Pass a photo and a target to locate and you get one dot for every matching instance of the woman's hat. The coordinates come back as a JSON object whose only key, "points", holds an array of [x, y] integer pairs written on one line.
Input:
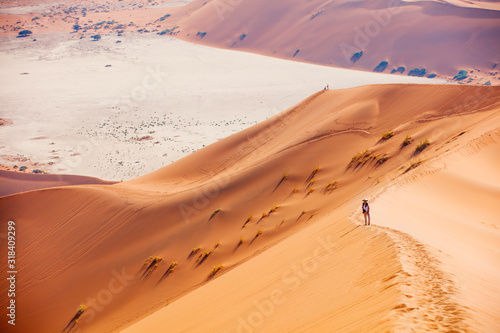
{"points": [[365, 199]]}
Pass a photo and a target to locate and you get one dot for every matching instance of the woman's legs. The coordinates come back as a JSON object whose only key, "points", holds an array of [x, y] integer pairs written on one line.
{"points": [[367, 218]]}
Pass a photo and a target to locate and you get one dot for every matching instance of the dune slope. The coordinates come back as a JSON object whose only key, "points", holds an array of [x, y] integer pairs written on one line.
{"points": [[15, 182], [299, 177]]}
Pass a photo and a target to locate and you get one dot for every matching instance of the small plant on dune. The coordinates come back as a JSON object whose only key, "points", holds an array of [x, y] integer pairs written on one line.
{"points": [[285, 177], [215, 269], [301, 214], [273, 209], [75, 318], [330, 187], [248, 220], [313, 214], [413, 165], [360, 158], [150, 265], [195, 250], [264, 215], [311, 190], [282, 222], [242, 240], [408, 140], [311, 182], [216, 245], [295, 189], [217, 211], [202, 257], [259, 232], [313, 174], [422, 145], [381, 159], [387, 135], [172, 266]]}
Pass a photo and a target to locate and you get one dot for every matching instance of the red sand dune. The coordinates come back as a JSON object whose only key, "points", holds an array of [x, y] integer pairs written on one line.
{"points": [[439, 36], [15, 182], [320, 271]]}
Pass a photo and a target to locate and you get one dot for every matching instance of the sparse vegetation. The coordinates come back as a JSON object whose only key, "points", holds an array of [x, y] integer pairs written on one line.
{"points": [[365, 156], [283, 178], [164, 17], [488, 83], [462, 75], [195, 250], [356, 56], [242, 240], [408, 140], [23, 167], [381, 67], [400, 69], [259, 232], [24, 33], [360, 158], [296, 52], [273, 209], [417, 72], [413, 165], [387, 135], [381, 159], [75, 318], [215, 269], [432, 75], [422, 145], [311, 190], [330, 187], [217, 211], [95, 38], [150, 265], [248, 220], [201, 34]]}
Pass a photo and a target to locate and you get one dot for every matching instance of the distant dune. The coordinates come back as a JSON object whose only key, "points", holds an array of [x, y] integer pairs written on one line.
{"points": [[440, 37], [15, 182], [261, 230]]}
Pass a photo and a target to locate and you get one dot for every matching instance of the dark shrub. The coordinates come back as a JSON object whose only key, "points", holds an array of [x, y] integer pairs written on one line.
{"points": [[356, 56], [417, 72], [381, 67]]}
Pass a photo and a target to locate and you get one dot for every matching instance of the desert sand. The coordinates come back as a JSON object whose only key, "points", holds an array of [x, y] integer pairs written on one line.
{"points": [[158, 100], [303, 261], [234, 179]]}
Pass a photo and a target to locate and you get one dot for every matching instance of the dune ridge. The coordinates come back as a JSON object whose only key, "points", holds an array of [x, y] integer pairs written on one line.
{"points": [[300, 175]]}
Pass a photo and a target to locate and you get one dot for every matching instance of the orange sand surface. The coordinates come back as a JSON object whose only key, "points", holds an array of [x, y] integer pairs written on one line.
{"points": [[262, 231]]}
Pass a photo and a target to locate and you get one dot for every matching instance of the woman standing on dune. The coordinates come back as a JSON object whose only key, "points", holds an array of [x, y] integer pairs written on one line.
{"points": [[366, 211]]}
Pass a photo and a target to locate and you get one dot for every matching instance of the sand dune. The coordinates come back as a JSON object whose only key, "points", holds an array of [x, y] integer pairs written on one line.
{"points": [[15, 182], [441, 37], [305, 263]]}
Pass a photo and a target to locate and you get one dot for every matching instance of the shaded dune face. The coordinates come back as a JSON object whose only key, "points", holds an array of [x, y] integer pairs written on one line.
{"points": [[244, 217], [440, 37]]}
